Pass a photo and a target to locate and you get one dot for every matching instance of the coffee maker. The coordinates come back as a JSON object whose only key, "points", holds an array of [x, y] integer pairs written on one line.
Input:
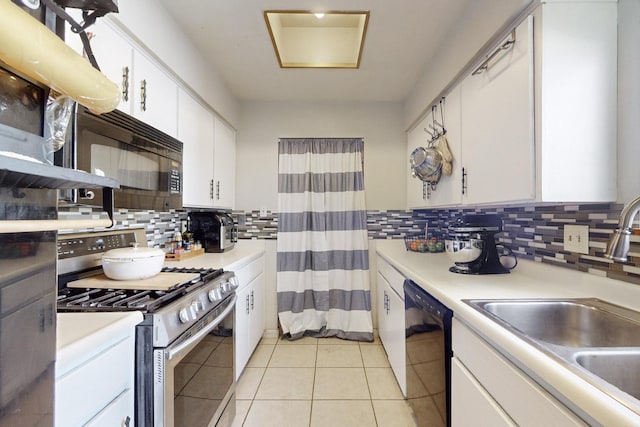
{"points": [[471, 244]]}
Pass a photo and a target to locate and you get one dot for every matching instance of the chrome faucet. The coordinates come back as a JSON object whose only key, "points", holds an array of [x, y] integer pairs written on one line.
{"points": [[618, 246]]}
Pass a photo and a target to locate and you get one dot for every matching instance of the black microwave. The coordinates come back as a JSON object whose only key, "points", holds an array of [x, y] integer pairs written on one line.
{"points": [[146, 162]]}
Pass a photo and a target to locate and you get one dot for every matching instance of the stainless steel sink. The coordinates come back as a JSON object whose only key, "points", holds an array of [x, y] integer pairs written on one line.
{"points": [[620, 368], [597, 340], [571, 323]]}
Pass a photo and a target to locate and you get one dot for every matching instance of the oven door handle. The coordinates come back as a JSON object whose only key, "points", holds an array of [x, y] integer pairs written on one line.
{"points": [[172, 352]]}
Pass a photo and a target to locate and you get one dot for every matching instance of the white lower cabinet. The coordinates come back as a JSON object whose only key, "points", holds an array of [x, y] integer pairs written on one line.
{"points": [[391, 324], [95, 369], [471, 405], [487, 386], [249, 315]]}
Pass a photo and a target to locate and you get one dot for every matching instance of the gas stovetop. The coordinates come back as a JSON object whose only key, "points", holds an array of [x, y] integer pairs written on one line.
{"points": [[148, 301], [172, 312]]}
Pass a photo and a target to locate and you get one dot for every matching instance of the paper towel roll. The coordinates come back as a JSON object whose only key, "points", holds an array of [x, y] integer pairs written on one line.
{"points": [[32, 49]]}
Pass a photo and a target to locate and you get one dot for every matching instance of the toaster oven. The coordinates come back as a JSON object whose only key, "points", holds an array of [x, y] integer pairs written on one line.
{"points": [[215, 230]]}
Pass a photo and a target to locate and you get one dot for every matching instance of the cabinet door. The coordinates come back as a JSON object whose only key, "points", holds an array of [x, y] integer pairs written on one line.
{"points": [[497, 126], [256, 304], [449, 190], [113, 54], [224, 165], [155, 96], [242, 325], [119, 413], [195, 130], [471, 405], [416, 188], [391, 330], [396, 339]]}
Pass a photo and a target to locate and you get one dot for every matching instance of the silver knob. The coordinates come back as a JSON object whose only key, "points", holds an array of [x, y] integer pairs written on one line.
{"points": [[226, 287], [183, 315], [196, 306], [215, 295]]}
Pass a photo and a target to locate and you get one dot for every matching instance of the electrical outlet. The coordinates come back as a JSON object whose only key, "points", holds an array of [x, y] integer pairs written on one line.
{"points": [[576, 238], [263, 212]]}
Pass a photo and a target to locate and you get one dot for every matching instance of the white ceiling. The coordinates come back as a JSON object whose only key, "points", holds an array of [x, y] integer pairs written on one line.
{"points": [[402, 37]]}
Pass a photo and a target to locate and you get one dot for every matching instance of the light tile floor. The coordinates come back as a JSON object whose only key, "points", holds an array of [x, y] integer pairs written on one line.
{"points": [[319, 382]]}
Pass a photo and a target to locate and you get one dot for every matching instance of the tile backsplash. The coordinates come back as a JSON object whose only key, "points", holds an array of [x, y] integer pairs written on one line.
{"points": [[533, 232], [160, 227]]}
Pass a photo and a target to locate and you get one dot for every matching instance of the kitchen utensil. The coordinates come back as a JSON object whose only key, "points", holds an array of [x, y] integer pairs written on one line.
{"points": [[462, 251], [133, 263], [426, 164], [442, 145], [472, 244]]}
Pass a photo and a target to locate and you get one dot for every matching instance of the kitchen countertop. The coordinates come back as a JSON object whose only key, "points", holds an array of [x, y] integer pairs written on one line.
{"points": [[82, 335], [243, 252], [528, 280]]}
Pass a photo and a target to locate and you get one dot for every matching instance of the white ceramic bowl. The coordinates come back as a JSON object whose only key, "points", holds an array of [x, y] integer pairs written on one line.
{"points": [[132, 263]]}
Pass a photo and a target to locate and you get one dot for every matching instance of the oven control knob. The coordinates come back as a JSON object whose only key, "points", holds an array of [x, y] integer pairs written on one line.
{"points": [[226, 287], [196, 307], [233, 282], [215, 295], [184, 315]]}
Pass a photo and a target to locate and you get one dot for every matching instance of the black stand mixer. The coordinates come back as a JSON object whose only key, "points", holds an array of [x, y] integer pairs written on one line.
{"points": [[472, 244]]}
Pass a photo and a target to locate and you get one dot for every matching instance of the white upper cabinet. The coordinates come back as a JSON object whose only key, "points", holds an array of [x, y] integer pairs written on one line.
{"points": [[195, 130], [224, 165], [147, 91], [497, 124], [113, 54], [576, 101], [209, 156], [448, 190], [155, 95], [538, 121]]}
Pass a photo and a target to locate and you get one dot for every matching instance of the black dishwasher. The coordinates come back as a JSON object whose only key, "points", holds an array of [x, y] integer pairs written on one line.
{"points": [[428, 350]]}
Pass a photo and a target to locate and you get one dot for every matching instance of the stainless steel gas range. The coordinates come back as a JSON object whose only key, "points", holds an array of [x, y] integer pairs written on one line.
{"points": [[184, 346]]}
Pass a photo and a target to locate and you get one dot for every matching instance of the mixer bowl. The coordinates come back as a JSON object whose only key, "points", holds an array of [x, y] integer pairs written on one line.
{"points": [[463, 251]]}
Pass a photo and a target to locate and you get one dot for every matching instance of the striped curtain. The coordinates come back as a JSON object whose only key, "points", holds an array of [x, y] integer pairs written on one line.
{"points": [[323, 262]]}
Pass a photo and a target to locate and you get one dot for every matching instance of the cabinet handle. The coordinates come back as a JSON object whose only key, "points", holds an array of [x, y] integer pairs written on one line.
{"points": [[464, 181], [125, 84], [504, 46], [218, 190], [211, 189], [424, 190], [143, 95], [247, 301], [251, 300], [126, 422]]}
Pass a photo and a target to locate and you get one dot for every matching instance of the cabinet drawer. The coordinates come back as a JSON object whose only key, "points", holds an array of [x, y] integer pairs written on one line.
{"points": [[525, 401], [470, 402], [86, 390], [249, 272], [393, 276], [119, 413]]}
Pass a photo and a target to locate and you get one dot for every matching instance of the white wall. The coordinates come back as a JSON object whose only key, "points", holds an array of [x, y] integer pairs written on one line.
{"points": [[263, 123], [151, 25]]}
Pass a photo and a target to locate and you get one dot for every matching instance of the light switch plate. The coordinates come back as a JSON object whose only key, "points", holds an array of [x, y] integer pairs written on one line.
{"points": [[576, 238]]}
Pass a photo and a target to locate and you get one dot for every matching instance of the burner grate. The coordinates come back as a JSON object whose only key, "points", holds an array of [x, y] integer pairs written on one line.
{"points": [[71, 299]]}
